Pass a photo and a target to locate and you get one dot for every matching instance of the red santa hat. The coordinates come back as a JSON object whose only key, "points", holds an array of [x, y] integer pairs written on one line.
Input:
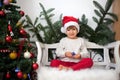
{"points": [[69, 21]]}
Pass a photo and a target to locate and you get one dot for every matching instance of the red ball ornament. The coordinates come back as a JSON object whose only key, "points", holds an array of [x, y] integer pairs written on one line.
{"points": [[22, 31], [8, 75], [6, 2], [20, 74], [35, 66], [2, 13], [8, 39], [32, 55], [21, 13], [9, 27]]}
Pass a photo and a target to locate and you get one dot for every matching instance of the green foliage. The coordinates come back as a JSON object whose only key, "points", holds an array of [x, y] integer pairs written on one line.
{"points": [[51, 31], [85, 30], [104, 19]]}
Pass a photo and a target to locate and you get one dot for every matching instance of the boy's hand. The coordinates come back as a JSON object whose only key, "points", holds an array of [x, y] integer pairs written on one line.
{"points": [[68, 54], [77, 56]]}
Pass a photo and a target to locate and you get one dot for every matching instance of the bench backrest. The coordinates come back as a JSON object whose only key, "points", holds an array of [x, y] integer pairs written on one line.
{"points": [[98, 53]]}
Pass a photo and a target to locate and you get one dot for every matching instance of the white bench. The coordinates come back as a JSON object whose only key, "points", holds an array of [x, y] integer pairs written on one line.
{"points": [[115, 49], [101, 64]]}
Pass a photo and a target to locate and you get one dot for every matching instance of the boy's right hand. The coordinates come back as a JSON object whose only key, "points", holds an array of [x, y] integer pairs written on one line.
{"points": [[68, 54]]}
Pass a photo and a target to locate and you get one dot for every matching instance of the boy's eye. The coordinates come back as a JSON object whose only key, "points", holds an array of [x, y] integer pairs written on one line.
{"points": [[71, 29], [68, 29]]}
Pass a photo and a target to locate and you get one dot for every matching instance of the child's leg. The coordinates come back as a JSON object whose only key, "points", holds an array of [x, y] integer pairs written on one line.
{"points": [[55, 63], [61, 64], [84, 63]]}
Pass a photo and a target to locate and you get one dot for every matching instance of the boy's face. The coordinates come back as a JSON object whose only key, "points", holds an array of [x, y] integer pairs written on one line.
{"points": [[71, 32]]}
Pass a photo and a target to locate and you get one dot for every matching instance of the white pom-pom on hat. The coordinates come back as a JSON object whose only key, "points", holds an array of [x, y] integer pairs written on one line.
{"points": [[69, 21], [62, 29]]}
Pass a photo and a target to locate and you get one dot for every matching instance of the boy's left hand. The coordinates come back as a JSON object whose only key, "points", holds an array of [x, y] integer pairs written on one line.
{"points": [[77, 56]]}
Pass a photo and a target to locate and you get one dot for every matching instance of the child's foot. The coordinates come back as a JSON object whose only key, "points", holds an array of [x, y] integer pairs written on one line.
{"points": [[67, 68], [70, 68], [60, 67]]}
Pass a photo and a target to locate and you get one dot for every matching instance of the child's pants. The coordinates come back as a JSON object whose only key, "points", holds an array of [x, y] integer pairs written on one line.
{"points": [[82, 64]]}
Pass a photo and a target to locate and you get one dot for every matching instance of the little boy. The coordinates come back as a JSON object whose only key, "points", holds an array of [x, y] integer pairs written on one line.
{"points": [[71, 50]]}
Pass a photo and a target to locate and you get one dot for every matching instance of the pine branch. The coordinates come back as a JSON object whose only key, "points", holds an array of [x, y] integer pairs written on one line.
{"points": [[48, 20]]}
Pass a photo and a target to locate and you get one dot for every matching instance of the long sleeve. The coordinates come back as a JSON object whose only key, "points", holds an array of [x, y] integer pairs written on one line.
{"points": [[61, 49], [71, 45], [83, 50]]}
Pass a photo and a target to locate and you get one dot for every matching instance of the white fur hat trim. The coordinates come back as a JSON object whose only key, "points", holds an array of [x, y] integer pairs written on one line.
{"points": [[71, 23]]}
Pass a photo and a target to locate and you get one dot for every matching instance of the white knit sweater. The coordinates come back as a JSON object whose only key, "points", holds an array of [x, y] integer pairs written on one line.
{"points": [[73, 45]]}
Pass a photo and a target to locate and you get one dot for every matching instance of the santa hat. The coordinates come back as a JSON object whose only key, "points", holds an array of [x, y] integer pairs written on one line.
{"points": [[69, 21]]}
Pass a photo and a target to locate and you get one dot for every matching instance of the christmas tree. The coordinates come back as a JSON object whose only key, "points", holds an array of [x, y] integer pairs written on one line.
{"points": [[17, 59]]}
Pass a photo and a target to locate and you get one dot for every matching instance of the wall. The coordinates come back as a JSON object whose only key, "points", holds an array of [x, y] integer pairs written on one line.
{"points": [[116, 10], [66, 7]]}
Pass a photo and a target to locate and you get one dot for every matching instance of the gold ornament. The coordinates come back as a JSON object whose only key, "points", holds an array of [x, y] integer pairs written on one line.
{"points": [[15, 40], [24, 76], [13, 55], [18, 24], [10, 1]]}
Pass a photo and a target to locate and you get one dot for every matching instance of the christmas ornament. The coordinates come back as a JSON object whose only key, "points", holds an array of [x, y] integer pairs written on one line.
{"points": [[21, 13], [29, 45], [8, 75], [0, 4], [18, 24], [10, 1], [22, 31], [6, 2], [17, 70], [15, 40], [10, 29], [4, 50], [8, 39], [20, 74], [13, 55], [27, 54], [34, 75], [2, 13], [21, 47], [31, 55], [29, 76], [24, 76], [35, 66], [73, 53]]}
